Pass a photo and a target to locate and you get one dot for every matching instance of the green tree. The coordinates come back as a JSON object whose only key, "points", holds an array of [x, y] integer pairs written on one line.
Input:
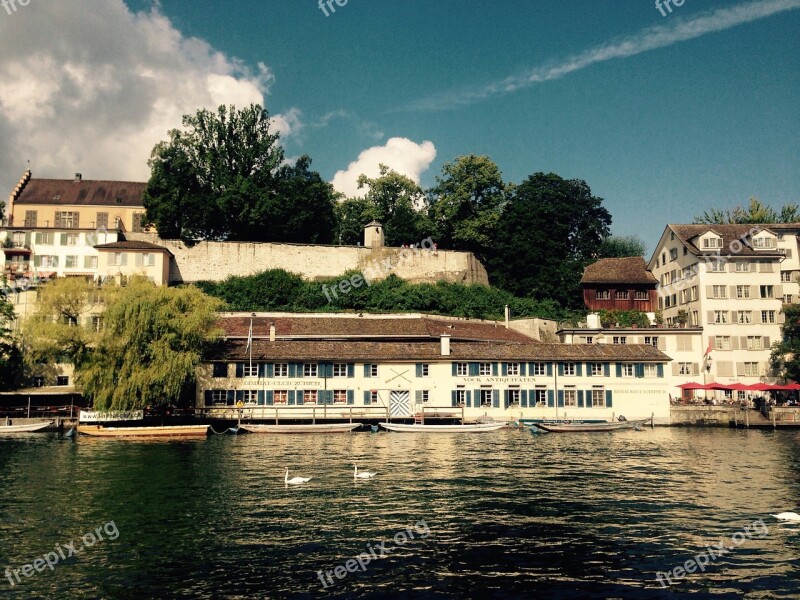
{"points": [[221, 178], [397, 202], [785, 357], [301, 210], [352, 215], [550, 230], [621, 246], [756, 212], [152, 340], [59, 329], [466, 204], [10, 354]]}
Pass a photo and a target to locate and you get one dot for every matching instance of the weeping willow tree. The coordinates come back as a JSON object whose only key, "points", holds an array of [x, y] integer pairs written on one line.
{"points": [[152, 340]]}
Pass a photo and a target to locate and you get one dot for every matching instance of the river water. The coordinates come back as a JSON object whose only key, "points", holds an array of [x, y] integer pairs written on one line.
{"points": [[494, 515]]}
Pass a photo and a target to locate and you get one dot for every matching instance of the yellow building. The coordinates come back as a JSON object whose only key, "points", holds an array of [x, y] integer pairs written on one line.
{"points": [[76, 204]]}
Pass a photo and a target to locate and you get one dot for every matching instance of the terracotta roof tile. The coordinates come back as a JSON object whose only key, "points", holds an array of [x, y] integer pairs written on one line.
{"points": [[132, 245], [369, 327], [731, 234], [631, 269], [84, 192], [327, 350]]}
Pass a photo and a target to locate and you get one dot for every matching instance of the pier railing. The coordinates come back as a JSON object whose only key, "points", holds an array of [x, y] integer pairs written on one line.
{"points": [[322, 412]]}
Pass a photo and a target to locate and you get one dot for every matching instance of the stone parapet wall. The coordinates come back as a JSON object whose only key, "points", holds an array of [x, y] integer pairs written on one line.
{"points": [[215, 261]]}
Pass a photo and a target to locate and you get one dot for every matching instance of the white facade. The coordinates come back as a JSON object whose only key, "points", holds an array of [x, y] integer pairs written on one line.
{"points": [[54, 252], [475, 369], [727, 280]]}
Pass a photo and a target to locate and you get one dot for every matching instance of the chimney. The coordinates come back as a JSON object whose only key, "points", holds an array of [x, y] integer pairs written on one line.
{"points": [[508, 315], [78, 177], [272, 331], [445, 344]]}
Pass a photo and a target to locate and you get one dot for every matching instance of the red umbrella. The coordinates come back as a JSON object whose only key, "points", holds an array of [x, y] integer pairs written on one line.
{"points": [[791, 386], [692, 386], [718, 386], [760, 387]]}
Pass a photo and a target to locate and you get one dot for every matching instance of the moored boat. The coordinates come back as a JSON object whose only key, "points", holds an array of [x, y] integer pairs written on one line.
{"points": [[589, 427], [418, 427], [300, 428], [531, 422], [26, 428], [144, 432]]}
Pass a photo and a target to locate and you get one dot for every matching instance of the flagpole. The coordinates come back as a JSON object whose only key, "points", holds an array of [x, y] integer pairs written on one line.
{"points": [[250, 341]]}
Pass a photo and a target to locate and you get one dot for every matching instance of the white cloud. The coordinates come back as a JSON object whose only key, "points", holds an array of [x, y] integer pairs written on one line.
{"points": [[401, 154], [90, 86], [288, 123], [676, 31]]}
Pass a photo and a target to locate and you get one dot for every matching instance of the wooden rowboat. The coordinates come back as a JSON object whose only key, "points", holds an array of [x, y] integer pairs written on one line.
{"points": [[416, 428], [301, 428], [27, 428], [144, 432], [589, 427]]}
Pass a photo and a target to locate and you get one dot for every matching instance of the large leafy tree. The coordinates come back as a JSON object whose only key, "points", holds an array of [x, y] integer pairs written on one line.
{"points": [[60, 329], [302, 209], [785, 357], [222, 178], [352, 215], [466, 204], [152, 340], [756, 212], [550, 230], [397, 202], [622, 246], [10, 355]]}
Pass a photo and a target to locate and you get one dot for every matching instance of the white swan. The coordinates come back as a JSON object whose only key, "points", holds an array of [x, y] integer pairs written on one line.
{"points": [[363, 474], [295, 480], [787, 516]]}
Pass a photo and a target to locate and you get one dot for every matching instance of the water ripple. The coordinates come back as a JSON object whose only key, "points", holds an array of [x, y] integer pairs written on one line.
{"points": [[505, 515]]}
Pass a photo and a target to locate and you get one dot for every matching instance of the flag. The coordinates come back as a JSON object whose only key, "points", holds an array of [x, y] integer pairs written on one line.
{"points": [[708, 350]]}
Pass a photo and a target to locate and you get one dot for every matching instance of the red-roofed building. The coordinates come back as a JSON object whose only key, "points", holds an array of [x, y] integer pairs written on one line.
{"points": [[619, 284]]}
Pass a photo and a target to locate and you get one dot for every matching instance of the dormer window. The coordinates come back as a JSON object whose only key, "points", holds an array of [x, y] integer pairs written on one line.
{"points": [[712, 243], [763, 243]]}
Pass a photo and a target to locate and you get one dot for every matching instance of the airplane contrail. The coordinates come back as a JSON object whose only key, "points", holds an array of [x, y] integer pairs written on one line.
{"points": [[651, 38]]}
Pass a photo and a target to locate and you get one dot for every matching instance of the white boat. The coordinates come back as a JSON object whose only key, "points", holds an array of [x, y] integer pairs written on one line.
{"points": [[418, 427], [301, 428], [27, 428], [144, 432], [590, 427]]}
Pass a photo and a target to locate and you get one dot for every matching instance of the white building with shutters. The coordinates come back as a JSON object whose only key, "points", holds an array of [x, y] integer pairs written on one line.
{"points": [[343, 366], [731, 281], [684, 345]]}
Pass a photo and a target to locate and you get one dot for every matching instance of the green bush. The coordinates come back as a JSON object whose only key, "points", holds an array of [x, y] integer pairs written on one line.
{"points": [[279, 290]]}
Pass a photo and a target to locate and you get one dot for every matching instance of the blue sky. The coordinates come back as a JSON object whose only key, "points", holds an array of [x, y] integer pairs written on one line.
{"points": [[663, 116]]}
